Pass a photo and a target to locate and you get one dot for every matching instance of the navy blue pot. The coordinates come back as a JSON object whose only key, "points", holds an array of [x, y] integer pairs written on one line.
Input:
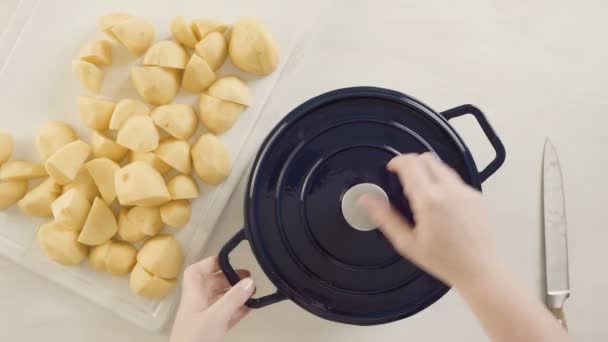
{"points": [[293, 219]]}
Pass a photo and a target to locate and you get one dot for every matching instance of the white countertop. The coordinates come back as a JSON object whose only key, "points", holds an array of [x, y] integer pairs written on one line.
{"points": [[537, 69]]}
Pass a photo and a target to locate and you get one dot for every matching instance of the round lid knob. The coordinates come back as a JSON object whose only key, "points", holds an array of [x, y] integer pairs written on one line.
{"points": [[353, 213]]}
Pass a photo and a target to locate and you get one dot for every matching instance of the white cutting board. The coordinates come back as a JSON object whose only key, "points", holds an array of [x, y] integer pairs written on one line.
{"points": [[36, 85]]}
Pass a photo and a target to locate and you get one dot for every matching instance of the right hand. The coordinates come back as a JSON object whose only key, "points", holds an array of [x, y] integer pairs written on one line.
{"points": [[452, 238]]}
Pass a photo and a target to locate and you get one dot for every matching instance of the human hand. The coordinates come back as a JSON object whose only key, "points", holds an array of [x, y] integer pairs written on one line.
{"points": [[452, 238], [209, 307]]}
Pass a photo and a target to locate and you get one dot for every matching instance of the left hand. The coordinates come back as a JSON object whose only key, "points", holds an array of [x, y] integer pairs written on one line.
{"points": [[209, 307]]}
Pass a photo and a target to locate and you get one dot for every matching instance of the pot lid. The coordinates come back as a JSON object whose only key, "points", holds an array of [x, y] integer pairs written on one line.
{"points": [[311, 242]]}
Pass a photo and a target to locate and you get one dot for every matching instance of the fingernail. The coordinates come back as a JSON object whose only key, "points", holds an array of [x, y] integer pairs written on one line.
{"points": [[247, 284]]}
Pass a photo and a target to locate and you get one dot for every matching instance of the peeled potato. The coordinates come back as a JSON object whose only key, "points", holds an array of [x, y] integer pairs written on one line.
{"points": [[127, 230], [202, 27], [99, 226], [213, 49], [231, 88], [139, 134], [97, 257], [95, 113], [120, 257], [61, 245], [66, 162], [140, 184], [176, 213], [182, 187], [147, 219], [182, 32], [102, 170], [71, 209], [14, 170], [89, 75], [53, 135], [198, 75], [218, 115], [84, 184], [177, 119], [11, 192], [6, 147], [252, 48], [97, 52], [125, 109], [162, 255], [104, 147], [166, 53], [148, 285], [155, 84], [151, 159], [38, 201], [137, 34], [175, 153], [106, 22], [211, 159]]}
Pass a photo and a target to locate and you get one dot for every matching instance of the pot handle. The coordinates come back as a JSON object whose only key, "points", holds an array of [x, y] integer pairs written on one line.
{"points": [[233, 278], [499, 148]]}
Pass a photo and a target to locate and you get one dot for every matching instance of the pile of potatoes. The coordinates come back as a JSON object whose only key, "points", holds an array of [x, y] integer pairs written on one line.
{"points": [[133, 177]]}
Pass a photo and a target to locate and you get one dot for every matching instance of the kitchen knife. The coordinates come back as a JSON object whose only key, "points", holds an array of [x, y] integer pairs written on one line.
{"points": [[556, 242]]}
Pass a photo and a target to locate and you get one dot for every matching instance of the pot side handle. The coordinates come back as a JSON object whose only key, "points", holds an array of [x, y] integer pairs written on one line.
{"points": [[499, 148], [233, 278]]}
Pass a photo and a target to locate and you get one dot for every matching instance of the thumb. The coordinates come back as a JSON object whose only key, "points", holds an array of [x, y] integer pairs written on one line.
{"points": [[394, 226], [233, 300]]}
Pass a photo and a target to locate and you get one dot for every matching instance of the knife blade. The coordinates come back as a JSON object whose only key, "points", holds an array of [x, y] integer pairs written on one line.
{"points": [[556, 240]]}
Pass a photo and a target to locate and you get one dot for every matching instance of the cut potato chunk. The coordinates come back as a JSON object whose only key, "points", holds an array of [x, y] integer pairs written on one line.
{"points": [[125, 109], [61, 245], [148, 285], [66, 162], [151, 159], [97, 257], [15, 170], [155, 84], [120, 257], [38, 201], [138, 134], [100, 225], [97, 52], [252, 48], [202, 27], [11, 192], [104, 147], [84, 184], [218, 115], [147, 219], [71, 209], [166, 53], [53, 135], [211, 159], [6, 147], [231, 88], [198, 75], [176, 213], [136, 34], [162, 255], [182, 32], [102, 170], [213, 49], [127, 230], [89, 75], [182, 187], [179, 120], [140, 184], [176, 153], [95, 113], [106, 22]]}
